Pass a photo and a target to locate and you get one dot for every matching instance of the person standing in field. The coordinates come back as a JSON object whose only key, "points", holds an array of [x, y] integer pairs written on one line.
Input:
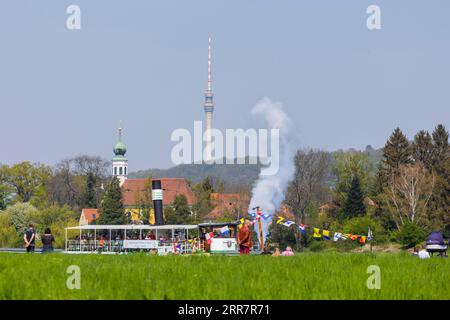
{"points": [[47, 241], [29, 237], [245, 238]]}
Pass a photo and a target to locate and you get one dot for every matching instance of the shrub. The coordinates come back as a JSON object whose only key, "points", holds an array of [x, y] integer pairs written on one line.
{"points": [[8, 235], [317, 246], [411, 234], [20, 216], [281, 236], [360, 226]]}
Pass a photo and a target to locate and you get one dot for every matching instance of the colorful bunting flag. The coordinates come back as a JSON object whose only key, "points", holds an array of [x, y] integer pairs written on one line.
{"points": [[369, 235], [316, 233], [302, 227], [326, 234], [288, 223], [280, 219], [224, 231], [242, 220], [337, 236]]}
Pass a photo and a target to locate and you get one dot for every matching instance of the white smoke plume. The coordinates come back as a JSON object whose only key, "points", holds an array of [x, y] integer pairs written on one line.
{"points": [[268, 192]]}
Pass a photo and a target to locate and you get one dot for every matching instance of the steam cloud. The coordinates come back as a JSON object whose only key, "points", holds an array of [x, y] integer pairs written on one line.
{"points": [[268, 192]]}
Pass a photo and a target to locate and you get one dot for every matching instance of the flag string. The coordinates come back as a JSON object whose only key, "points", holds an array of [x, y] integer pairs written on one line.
{"points": [[325, 234]]}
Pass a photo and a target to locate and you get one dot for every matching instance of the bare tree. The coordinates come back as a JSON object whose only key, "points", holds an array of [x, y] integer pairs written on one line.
{"points": [[408, 193], [312, 168], [84, 164], [69, 178]]}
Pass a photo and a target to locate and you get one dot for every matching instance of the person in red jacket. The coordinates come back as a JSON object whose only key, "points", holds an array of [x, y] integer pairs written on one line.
{"points": [[245, 238]]}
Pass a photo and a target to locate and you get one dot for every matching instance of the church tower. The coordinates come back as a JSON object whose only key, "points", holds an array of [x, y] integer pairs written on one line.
{"points": [[209, 107], [119, 162]]}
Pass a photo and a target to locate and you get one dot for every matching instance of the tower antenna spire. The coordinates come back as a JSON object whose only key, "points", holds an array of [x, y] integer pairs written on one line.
{"points": [[120, 130], [209, 63], [209, 106]]}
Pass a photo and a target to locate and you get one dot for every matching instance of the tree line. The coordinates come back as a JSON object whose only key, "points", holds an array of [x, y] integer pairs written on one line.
{"points": [[402, 197]]}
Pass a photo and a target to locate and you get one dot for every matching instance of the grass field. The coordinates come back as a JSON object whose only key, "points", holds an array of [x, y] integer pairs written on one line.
{"points": [[304, 276]]}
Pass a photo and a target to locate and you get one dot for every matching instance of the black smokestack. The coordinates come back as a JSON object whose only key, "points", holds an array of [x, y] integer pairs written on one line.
{"points": [[157, 197]]}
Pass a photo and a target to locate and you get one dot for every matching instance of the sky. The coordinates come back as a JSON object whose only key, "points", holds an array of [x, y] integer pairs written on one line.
{"points": [[63, 92]]}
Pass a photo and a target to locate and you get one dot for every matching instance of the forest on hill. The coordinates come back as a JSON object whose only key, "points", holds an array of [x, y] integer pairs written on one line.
{"points": [[232, 174]]}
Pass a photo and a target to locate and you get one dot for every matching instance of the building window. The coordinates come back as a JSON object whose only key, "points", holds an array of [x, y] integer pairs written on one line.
{"points": [[115, 171], [125, 170], [120, 171]]}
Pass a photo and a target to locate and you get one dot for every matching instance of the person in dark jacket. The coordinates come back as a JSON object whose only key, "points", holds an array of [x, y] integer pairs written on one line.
{"points": [[47, 241], [29, 238]]}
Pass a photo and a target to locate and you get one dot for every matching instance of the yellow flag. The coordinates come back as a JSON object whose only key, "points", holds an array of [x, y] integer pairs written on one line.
{"points": [[280, 219], [326, 234], [242, 223], [316, 233]]}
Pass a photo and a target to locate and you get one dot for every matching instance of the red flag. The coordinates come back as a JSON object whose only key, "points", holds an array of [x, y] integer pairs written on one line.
{"points": [[209, 236]]}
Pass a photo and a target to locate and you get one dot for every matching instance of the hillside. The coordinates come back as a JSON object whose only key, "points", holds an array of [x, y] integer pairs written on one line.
{"points": [[231, 173]]}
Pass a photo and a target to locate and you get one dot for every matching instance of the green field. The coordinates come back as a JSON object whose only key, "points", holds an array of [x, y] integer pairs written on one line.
{"points": [[304, 276]]}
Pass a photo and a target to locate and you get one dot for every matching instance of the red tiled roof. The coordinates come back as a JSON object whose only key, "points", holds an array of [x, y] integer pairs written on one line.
{"points": [[90, 214], [326, 206], [227, 202], [132, 189]]}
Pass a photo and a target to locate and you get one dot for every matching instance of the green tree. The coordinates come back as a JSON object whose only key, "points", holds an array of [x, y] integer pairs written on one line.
{"points": [[52, 214], [181, 213], [202, 191], [89, 197], [440, 148], [397, 151], [440, 202], [5, 196], [350, 165], [40, 198], [354, 204], [422, 148], [24, 178], [111, 206]]}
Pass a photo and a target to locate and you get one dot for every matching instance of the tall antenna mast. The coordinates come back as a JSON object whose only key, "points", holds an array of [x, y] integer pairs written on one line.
{"points": [[208, 107], [209, 64]]}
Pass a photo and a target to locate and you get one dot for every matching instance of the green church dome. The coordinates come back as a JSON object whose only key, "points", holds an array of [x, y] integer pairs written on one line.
{"points": [[120, 148]]}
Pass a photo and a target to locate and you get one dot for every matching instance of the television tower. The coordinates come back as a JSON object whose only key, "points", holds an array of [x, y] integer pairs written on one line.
{"points": [[209, 107]]}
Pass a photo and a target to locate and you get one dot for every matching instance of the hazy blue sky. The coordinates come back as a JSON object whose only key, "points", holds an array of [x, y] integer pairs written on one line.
{"points": [[63, 92]]}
